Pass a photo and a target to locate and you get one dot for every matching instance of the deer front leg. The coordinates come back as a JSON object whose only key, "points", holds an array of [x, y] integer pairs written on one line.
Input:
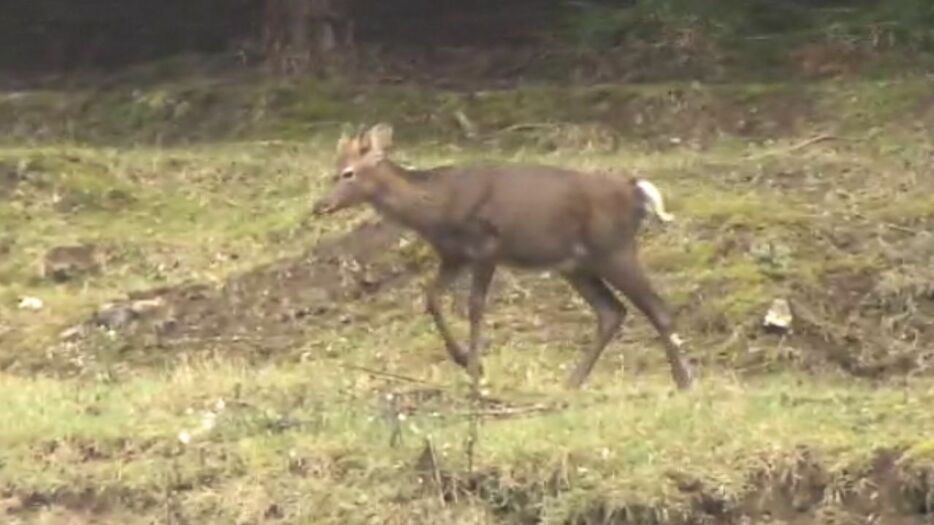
{"points": [[482, 276], [448, 271]]}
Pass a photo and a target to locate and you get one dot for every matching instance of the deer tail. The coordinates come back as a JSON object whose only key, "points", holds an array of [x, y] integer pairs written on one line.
{"points": [[654, 202]]}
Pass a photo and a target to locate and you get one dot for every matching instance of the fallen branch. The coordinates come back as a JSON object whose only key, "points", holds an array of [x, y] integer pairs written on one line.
{"points": [[506, 411], [253, 339], [899, 228], [803, 144], [388, 375], [528, 126]]}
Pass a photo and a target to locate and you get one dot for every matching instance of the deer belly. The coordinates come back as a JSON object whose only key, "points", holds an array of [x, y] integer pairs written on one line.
{"points": [[558, 258], [473, 247]]}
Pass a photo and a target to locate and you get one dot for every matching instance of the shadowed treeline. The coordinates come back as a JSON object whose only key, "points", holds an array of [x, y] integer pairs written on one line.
{"points": [[61, 35]]}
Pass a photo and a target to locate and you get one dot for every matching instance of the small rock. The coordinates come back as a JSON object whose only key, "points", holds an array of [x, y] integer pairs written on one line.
{"points": [[144, 306], [118, 315], [779, 317], [11, 505], [208, 421], [114, 316], [74, 333], [165, 326], [467, 126], [30, 303]]}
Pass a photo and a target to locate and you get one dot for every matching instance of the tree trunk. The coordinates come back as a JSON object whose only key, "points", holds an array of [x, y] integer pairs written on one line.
{"points": [[300, 33]]}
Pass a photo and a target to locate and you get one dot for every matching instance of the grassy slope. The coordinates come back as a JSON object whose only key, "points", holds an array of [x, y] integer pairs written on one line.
{"points": [[309, 439], [313, 442]]}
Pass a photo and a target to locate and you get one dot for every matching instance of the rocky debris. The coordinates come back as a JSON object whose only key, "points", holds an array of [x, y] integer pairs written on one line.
{"points": [[73, 333], [66, 263], [11, 505], [119, 315], [272, 303], [779, 318], [30, 303]]}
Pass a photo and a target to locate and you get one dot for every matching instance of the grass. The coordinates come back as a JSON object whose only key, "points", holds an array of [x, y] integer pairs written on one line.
{"points": [[309, 432], [188, 210], [298, 430]]}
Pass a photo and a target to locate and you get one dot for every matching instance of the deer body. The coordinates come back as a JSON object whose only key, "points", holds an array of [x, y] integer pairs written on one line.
{"points": [[486, 213], [582, 226]]}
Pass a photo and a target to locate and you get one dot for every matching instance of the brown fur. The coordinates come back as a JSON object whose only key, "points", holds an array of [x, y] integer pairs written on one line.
{"points": [[582, 226]]}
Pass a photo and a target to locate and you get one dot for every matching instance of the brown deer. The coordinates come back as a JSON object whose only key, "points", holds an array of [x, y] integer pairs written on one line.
{"points": [[581, 226]]}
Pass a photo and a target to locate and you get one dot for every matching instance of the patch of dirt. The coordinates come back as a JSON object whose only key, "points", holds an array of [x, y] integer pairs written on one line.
{"points": [[89, 502], [807, 492], [817, 180], [828, 59], [924, 110], [270, 306], [9, 178], [702, 119], [64, 263], [869, 323], [848, 322], [694, 116], [803, 491], [797, 490]]}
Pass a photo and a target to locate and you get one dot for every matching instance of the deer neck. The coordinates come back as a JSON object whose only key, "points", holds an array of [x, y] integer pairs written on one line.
{"points": [[405, 199]]}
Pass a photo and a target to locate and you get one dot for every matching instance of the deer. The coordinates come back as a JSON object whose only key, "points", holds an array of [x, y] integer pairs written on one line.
{"points": [[581, 226]]}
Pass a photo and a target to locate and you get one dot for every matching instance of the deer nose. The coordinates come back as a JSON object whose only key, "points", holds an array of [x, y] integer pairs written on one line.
{"points": [[322, 207]]}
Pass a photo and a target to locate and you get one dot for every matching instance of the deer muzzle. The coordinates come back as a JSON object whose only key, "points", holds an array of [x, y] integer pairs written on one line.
{"points": [[323, 206]]}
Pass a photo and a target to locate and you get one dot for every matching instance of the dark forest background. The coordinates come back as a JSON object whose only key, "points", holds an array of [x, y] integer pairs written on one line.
{"points": [[294, 35]]}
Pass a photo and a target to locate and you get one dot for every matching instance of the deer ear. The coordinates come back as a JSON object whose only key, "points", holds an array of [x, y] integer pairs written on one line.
{"points": [[380, 137], [343, 143], [350, 140]]}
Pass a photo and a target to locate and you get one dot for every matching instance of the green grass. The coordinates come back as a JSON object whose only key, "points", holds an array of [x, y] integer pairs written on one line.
{"points": [[307, 436], [182, 212], [618, 443]]}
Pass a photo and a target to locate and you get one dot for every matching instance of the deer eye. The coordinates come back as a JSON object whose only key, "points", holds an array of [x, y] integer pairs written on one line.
{"points": [[347, 173]]}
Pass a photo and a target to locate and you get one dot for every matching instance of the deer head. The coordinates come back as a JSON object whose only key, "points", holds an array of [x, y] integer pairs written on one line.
{"points": [[358, 179]]}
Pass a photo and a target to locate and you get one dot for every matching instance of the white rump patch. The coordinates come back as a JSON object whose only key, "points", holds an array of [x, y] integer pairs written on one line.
{"points": [[655, 203]]}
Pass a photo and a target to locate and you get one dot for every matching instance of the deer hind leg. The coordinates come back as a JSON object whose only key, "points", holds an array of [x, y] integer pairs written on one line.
{"points": [[482, 276], [610, 314], [448, 271], [624, 272]]}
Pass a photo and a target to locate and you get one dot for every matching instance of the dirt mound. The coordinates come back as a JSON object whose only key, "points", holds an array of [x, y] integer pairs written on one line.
{"points": [[871, 323], [880, 323], [798, 489], [270, 306]]}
